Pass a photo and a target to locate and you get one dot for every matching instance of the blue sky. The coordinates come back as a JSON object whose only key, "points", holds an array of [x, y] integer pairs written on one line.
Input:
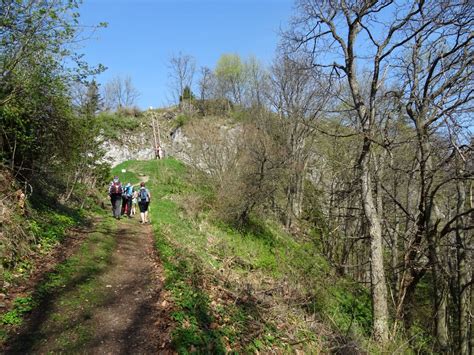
{"points": [[143, 34]]}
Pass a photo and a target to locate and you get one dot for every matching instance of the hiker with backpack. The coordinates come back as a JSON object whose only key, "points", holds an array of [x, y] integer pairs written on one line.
{"points": [[144, 198], [115, 193], [127, 199]]}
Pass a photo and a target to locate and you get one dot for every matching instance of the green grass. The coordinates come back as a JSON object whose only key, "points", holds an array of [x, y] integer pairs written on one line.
{"points": [[43, 229], [69, 293]]}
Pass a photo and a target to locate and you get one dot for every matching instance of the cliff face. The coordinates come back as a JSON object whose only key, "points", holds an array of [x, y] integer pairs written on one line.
{"points": [[139, 146], [205, 143], [183, 141], [129, 148], [136, 142]]}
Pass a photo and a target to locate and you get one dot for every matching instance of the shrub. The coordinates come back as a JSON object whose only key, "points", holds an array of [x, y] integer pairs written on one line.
{"points": [[214, 107], [130, 111], [182, 119]]}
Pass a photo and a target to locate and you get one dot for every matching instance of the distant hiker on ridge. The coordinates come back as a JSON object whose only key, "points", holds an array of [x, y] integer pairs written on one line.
{"points": [[115, 193], [144, 198]]}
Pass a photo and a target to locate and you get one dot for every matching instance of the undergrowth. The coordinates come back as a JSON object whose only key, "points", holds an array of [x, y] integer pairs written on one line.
{"points": [[112, 125], [73, 286], [42, 230]]}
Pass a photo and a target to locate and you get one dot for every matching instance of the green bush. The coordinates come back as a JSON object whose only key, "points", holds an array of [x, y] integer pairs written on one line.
{"points": [[214, 107], [350, 308], [182, 119], [112, 125]]}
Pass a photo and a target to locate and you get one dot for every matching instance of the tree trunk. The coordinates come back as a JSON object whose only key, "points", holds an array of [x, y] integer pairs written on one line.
{"points": [[432, 217], [379, 287], [463, 248], [73, 186], [441, 302], [295, 187]]}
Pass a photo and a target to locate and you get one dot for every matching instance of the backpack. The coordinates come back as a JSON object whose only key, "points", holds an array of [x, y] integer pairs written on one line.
{"points": [[128, 191], [116, 188], [143, 195]]}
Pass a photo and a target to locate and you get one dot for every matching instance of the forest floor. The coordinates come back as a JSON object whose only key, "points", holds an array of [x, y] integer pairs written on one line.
{"points": [[107, 297]]}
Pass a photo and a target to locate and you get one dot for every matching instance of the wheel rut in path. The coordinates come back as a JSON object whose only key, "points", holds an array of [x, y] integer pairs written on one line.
{"points": [[128, 319]]}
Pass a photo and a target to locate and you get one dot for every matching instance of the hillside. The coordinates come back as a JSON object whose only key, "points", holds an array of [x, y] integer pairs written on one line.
{"points": [[252, 290], [257, 289], [233, 274], [126, 136]]}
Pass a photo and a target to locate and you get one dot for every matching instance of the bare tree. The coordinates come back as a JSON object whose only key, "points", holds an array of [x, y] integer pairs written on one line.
{"points": [[215, 149], [426, 45], [257, 83], [120, 92], [437, 94], [206, 83], [181, 73], [464, 246], [336, 26], [298, 95]]}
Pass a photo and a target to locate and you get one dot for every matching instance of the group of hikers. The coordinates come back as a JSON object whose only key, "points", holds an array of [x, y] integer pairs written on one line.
{"points": [[125, 200]]}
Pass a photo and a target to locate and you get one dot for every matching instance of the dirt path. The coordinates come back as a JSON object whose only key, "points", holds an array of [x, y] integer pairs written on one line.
{"points": [[115, 311], [126, 323]]}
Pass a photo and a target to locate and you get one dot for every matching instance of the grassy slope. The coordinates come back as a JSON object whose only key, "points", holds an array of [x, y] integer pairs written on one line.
{"points": [[254, 290], [69, 291]]}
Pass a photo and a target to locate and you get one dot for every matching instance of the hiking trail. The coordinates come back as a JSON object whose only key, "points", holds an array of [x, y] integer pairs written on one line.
{"points": [[117, 308]]}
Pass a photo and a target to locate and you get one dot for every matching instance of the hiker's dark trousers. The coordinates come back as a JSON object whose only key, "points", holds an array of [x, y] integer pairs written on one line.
{"points": [[116, 205], [126, 205]]}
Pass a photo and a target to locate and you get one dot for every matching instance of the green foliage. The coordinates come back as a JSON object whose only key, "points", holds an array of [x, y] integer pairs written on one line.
{"points": [[47, 142], [21, 305], [35, 108], [44, 228], [182, 119], [350, 308], [214, 107], [93, 100], [51, 229], [241, 115], [73, 288], [113, 125], [130, 112], [187, 94], [230, 75], [229, 68], [421, 339]]}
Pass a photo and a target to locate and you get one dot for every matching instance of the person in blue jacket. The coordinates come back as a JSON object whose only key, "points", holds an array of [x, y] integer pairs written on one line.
{"points": [[127, 200]]}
